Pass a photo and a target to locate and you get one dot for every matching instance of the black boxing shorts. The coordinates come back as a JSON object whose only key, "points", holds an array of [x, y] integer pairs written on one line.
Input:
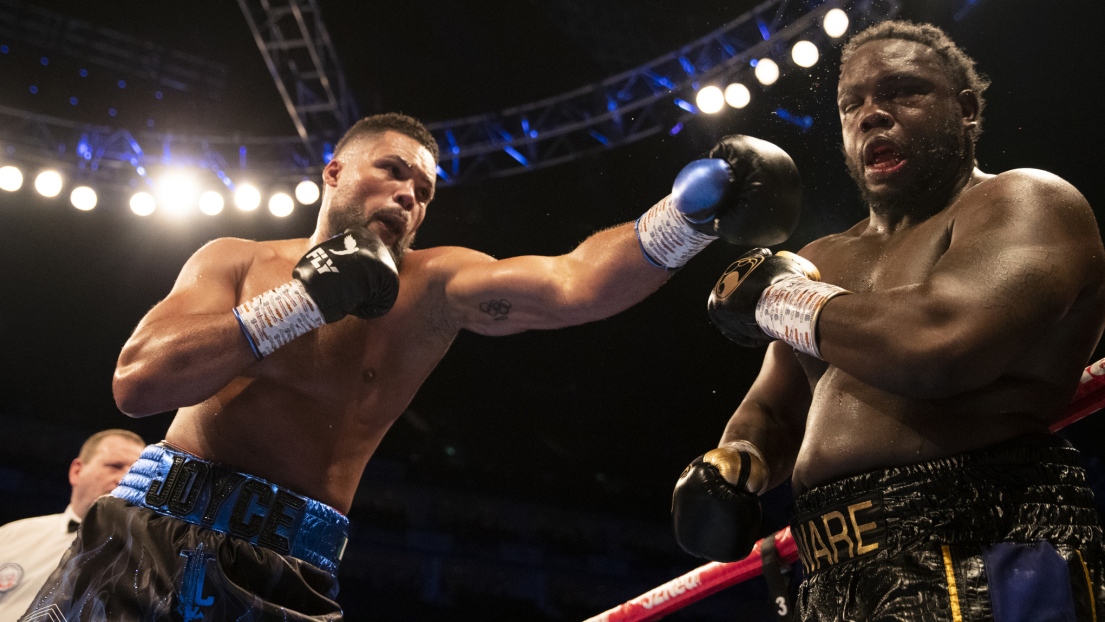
{"points": [[185, 539], [1006, 533]]}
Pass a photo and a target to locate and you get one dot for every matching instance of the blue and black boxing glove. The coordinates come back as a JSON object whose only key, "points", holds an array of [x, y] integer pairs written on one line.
{"points": [[747, 191]]}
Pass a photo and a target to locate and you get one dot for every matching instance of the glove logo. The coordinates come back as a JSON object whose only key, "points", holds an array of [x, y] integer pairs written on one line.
{"points": [[321, 262], [350, 247], [735, 274]]}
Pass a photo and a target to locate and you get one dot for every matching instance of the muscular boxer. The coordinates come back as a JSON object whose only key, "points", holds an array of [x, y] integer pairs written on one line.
{"points": [[913, 365], [289, 360]]}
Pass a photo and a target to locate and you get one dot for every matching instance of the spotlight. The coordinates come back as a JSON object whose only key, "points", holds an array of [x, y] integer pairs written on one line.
{"points": [[48, 183], [247, 197], [767, 72], [306, 192], [804, 54], [177, 193], [83, 198], [143, 203], [211, 203], [710, 99], [11, 179], [737, 95], [281, 205], [835, 23]]}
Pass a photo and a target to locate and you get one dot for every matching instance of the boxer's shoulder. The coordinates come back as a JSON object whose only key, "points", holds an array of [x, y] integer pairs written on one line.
{"points": [[1025, 189]]}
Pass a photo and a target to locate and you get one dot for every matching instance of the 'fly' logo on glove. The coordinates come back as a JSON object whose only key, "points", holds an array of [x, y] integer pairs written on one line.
{"points": [[321, 262]]}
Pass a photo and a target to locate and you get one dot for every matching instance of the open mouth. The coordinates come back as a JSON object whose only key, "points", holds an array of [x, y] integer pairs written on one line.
{"points": [[882, 156]]}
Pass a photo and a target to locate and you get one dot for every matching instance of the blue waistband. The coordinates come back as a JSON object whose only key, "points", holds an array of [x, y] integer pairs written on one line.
{"points": [[177, 484]]}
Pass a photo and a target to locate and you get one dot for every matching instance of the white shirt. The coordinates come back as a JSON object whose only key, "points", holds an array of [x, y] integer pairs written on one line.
{"points": [[30, 550]]}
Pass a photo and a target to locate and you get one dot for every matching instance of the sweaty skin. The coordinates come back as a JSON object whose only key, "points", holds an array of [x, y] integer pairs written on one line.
{"points": [[977, 298], [310, 415]]}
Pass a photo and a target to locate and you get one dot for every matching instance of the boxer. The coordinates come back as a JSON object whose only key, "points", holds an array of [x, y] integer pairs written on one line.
{"points": [[289, 360], [914, 363]]}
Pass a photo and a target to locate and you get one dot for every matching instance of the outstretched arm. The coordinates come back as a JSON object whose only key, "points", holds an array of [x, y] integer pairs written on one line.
{"points": [[189, 345], [604, 275]]}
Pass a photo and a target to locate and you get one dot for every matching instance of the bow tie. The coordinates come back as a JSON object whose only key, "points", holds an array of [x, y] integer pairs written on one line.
{"points": [[73, 526]]}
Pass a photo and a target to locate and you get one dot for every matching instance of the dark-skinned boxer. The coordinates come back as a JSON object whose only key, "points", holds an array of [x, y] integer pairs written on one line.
{"points": [[913, 365], [289, 360]]}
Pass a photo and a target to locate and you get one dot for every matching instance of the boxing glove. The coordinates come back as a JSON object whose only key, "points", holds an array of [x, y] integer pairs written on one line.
{"points": [[747, 191], [762, 297], [715, 508], [351, 273]]}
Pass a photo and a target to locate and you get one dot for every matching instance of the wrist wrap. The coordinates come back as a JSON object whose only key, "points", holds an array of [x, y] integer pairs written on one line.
{"points": [[788, 310], [277, 316], [667, 238]]}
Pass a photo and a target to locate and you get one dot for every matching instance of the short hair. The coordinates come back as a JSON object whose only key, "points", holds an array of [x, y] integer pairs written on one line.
{"points": [[959, 67], [88, 449], [394, 121]]}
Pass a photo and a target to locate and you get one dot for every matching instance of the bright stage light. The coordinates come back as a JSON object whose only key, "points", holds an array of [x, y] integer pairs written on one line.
{"points": [[835, 23], [143, 203], [306, 192], [767, 72], [281, 204], [48, 183], [11, 179], [737, 95], [805, 54], [247, 197], [211, 203], [83, 198], [176, 193], [709, 99]]}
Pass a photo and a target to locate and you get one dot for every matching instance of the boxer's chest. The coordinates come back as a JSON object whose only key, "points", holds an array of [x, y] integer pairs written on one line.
{"points": [[878, 262]]}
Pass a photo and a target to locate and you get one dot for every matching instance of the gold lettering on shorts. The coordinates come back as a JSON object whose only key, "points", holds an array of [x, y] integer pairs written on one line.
{"points": [[837, 537], [819, 551], [861, 548]]}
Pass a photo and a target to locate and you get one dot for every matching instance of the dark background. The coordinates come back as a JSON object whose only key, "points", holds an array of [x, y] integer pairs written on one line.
{"points": [[597, 419]]}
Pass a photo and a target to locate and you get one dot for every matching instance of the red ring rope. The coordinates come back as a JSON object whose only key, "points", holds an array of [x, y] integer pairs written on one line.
{"points": [[713, 577]]}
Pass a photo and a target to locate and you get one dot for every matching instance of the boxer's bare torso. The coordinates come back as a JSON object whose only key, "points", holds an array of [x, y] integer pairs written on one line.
{"points": [[852, 427]]}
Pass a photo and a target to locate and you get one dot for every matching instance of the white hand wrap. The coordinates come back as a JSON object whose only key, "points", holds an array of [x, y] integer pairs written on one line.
{"points": [[788, 311], [667, 239], [277, 316]]}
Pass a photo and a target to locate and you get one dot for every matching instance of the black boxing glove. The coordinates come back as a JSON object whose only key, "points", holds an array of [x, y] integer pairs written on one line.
{"points": [[352, 273], [762, 297], [715, 509], [747, 191]]}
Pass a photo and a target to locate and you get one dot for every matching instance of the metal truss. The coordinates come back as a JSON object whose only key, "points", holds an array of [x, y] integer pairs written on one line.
{"points": [[634, 104], [618, 110], [124, 54], [296, 47]]}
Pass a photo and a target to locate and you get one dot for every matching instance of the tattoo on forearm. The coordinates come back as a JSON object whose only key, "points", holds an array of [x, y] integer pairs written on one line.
{"points": [[497, 309]]}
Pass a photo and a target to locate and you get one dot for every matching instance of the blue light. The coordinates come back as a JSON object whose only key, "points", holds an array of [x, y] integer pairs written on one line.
{"points": [[686, 105], [525, 125], [512, 152], [158, 94], [764, 32], [441, 173], [754, 62], [687, 66], [804, 122], [504, 134], [327, 152], [141, 170], [455, 150], [44, 60], [122, 84], [533, 133], [84, 149], [111, 112], [678, 127], [3, 49], [599, 137], [83, 73], [149, 123], [72, 101], [611, 104], [34, 90]]}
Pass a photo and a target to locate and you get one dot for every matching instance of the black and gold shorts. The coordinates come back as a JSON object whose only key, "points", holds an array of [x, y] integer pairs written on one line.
{"points": [[1006, 533]]}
